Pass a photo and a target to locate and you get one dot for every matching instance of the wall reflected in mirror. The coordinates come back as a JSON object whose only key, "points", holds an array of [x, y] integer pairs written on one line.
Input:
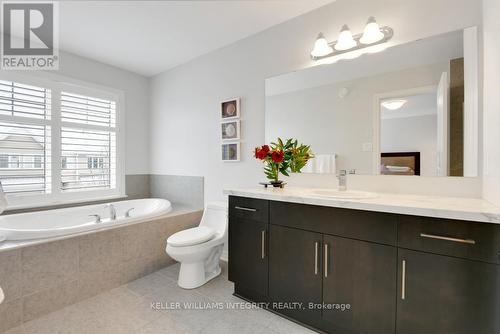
{"points": [[397, 112]]}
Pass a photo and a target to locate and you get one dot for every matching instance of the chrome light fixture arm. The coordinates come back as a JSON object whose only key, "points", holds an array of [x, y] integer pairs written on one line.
{"points": [[388, 34]]}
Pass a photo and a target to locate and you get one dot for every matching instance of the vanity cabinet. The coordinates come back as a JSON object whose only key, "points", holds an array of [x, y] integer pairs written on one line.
{"points": [[448, 274], [399, 274], [295, 270], [363, 275], [248, 231], [446, 295], [310, 267]]}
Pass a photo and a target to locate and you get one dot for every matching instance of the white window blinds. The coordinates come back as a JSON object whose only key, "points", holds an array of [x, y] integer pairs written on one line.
{"points": [[57, 141], [25, 138], [88, 134]]}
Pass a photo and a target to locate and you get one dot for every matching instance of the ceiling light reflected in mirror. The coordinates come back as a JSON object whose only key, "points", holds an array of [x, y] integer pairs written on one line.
{"points": [[393, 104]]}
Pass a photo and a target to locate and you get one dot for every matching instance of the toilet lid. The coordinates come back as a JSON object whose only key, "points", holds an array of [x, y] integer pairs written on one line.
{"points": [[191, 236]]}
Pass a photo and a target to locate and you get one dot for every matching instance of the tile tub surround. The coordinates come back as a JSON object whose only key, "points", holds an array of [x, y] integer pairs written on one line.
{"points": [[44, 276], [185, 190], [137, 186], [127, 310], [469, 209]]}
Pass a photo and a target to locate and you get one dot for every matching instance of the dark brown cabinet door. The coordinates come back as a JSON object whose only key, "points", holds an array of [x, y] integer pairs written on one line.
{"points": [[445, 295], [363, 276], [295, 271], [248, 258]]}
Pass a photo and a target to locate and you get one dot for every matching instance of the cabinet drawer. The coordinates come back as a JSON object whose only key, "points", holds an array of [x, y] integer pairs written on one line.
{"points": [[249, 209], [468, 240], [355, 224]]}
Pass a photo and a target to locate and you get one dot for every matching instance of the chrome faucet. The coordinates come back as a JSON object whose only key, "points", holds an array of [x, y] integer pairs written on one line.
{"points": [[343, 178], [112, 211], [97, 218], [127, 213]]}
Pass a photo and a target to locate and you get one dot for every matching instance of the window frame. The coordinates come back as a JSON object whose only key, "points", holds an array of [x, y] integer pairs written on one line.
{"points": [[58, 83]]}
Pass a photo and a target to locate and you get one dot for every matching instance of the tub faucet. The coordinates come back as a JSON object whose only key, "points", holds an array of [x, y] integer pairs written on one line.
{"points": [[112, 211], [127, 214], [97, 218]]}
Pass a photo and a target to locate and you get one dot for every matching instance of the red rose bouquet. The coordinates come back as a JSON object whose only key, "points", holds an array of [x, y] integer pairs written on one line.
{"points": [[284, 158]]}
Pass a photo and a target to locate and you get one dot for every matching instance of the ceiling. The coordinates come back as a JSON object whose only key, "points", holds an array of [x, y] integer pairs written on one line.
{"points": [[416, 105], [148, 37]]}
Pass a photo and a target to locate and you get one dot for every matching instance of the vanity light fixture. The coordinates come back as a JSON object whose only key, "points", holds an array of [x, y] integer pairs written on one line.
{"points": [[321, 47], [393, 104], [345, 41], [372, 35]]}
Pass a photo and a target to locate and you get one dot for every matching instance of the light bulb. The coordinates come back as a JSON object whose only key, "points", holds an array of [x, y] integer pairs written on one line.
{"points": [[372, 33], [345, 41], [393, 104], [321, 47]]}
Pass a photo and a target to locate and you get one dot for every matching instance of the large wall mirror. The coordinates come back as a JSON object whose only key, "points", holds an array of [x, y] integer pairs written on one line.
{"points": [[411, 109]]}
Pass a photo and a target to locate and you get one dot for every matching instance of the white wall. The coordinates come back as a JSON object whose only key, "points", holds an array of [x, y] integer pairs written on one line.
{"points": [[185, 100], [136, 90], [491, 100], [412, 134]]}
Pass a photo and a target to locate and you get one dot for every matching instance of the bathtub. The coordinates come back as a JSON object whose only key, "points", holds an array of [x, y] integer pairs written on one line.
{"points": [[60, 222]]}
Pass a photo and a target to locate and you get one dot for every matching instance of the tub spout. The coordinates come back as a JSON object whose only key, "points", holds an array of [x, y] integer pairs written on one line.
{"points": [[112, 211], [97, 218]]}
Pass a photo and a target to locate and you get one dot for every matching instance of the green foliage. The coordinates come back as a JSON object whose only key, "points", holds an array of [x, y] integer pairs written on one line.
{"points": [[295, 157]]}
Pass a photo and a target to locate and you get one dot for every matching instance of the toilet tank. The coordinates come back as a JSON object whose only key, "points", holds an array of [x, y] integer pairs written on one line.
{"points": [[215, 216]]}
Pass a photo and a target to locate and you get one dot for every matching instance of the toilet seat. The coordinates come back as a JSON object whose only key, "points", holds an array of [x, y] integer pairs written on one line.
{"points": [[191, 236]]}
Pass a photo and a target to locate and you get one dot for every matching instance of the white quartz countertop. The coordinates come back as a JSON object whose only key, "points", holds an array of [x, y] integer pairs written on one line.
{"points": [[470, 209]]}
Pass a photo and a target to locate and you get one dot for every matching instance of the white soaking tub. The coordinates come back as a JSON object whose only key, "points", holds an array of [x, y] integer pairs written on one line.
{"points": [[60, 222]]}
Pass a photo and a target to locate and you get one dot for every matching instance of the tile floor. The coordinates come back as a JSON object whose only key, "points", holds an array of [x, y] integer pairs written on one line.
{"points": [[128, 309]]}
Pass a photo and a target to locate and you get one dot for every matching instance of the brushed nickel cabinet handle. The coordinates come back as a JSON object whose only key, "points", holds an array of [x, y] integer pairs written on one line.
{"points": [[403, 280], [263, 244], [326, 260], [440, 237], [316, 258], [245, 209]]}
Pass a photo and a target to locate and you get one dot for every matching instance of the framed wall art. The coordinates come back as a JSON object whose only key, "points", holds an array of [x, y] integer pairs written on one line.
{"points": [[230, 109], [230, 152]]}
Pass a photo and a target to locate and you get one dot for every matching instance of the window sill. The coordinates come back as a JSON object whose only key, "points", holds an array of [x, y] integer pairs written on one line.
{"points": [[57, 204]]}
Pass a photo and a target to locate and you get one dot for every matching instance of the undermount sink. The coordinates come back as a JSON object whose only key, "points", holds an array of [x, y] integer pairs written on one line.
{"points": [[346, 194]]}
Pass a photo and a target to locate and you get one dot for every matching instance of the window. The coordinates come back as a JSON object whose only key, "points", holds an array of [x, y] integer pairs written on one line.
{"points": [[90, 140], [49, 122], [4, 161], [25, 115], [96, 163], [14, 161]]}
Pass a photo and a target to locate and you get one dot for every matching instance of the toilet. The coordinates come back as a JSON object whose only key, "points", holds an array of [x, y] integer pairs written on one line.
{"points": [[199, 249]]}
